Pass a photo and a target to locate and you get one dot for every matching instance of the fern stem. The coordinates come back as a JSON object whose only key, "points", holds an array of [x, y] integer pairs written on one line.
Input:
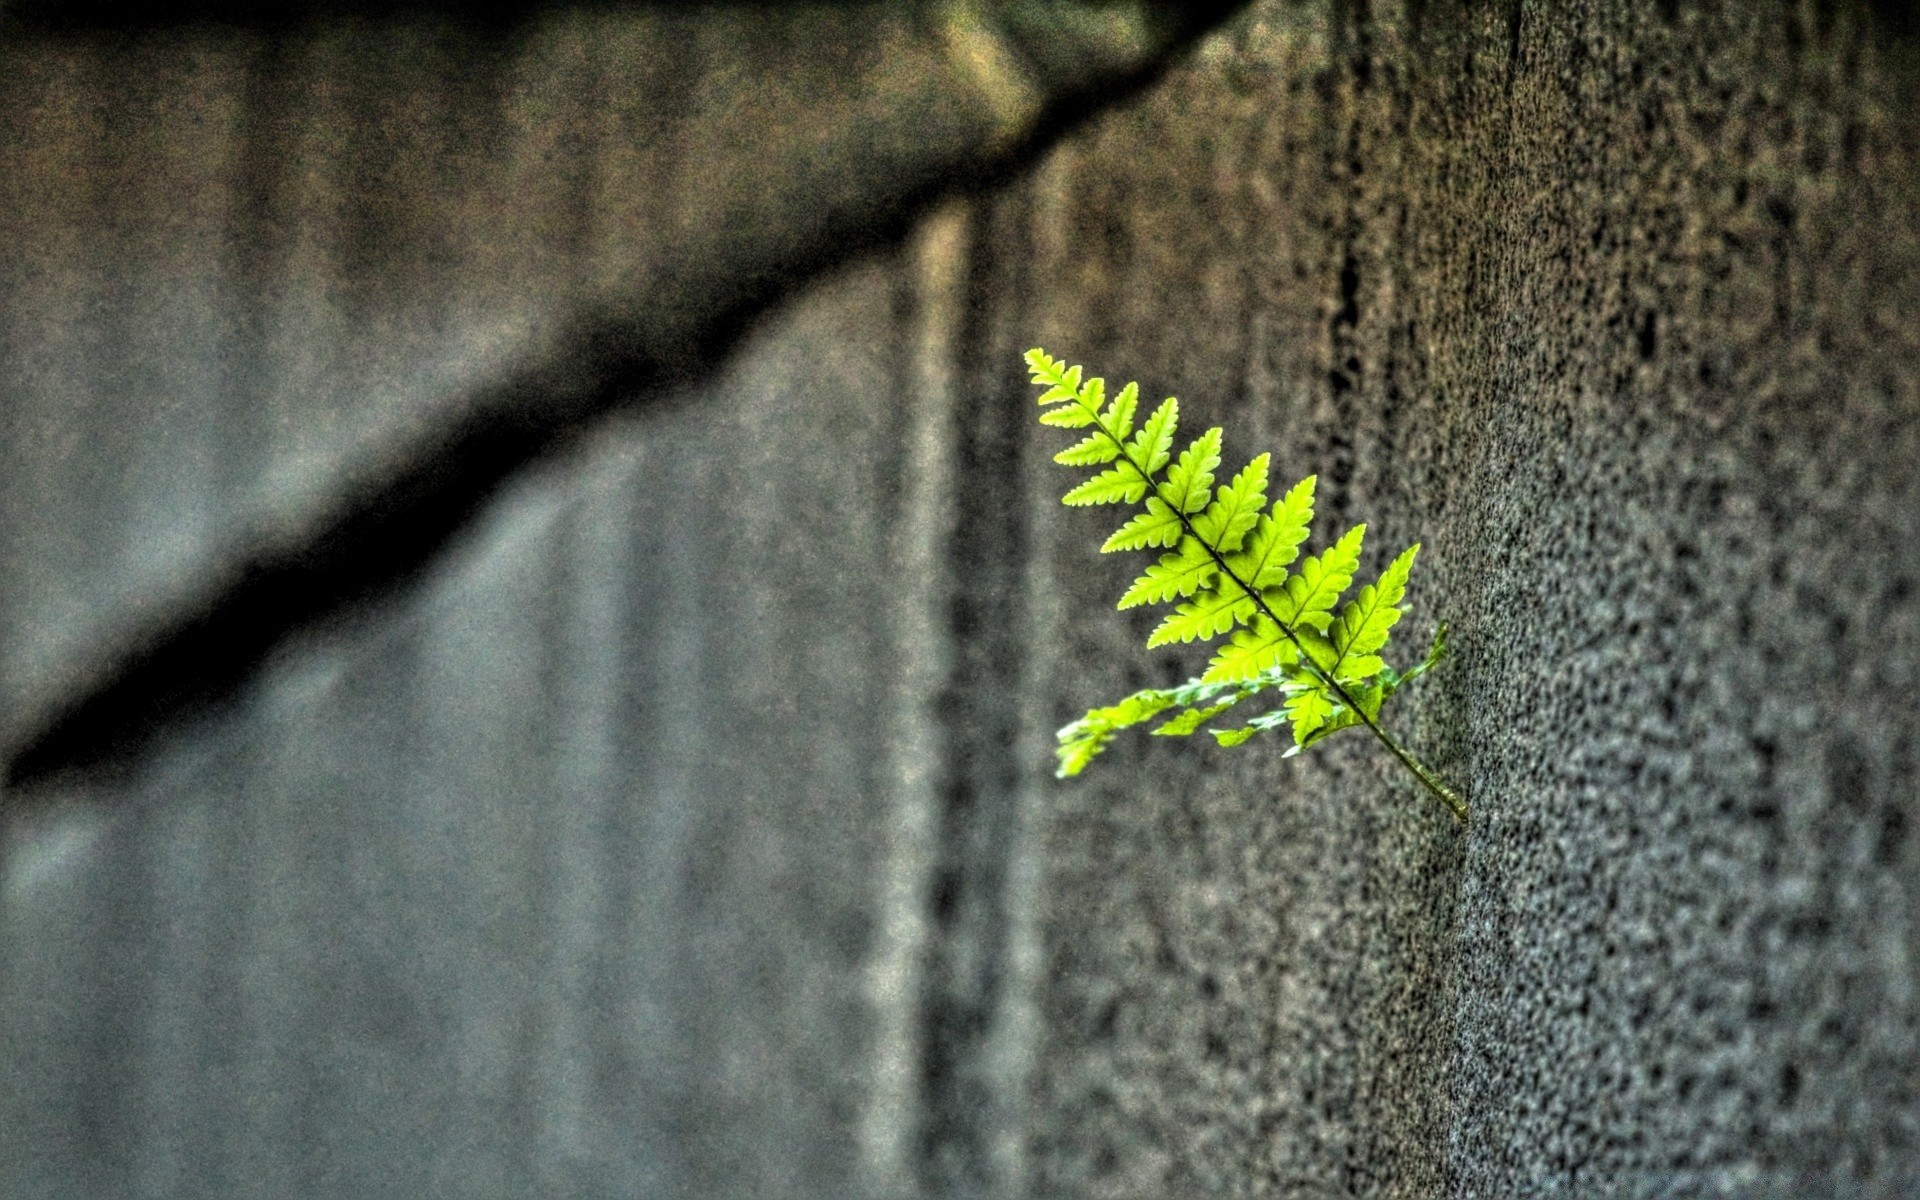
{"points": [[1421, 771], [1433, 783]]}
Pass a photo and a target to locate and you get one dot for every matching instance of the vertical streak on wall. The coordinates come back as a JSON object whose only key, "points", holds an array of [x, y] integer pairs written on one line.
{"points": [[595, 585], [46, 908], [921, 535], [43, 318], [969, 905], [1019, 1021]]}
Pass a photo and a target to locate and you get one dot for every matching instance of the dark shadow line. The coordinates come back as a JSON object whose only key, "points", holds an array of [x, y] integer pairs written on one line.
{"points": [[381, 541]]}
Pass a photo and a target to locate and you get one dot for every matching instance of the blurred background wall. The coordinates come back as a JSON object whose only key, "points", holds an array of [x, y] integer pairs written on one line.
{"points": [[534, 606]]}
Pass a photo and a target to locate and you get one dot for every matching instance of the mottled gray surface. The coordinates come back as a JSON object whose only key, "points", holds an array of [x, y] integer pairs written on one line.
{"points": [[569, 873], [1618, 314], [647, 846], [264, 282]]}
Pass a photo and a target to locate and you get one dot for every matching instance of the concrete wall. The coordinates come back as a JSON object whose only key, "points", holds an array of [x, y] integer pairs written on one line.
{"points": [[683, 826], [1617, 311]]}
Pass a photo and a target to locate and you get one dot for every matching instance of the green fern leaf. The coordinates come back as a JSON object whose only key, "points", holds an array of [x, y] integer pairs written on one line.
{"points": [[1236, 510], [1308, 711], [1067, 416], [1158, 526], [1276, 539], [1181, 573], [1118, 419], [1260, 647], [1232, 571], [1095, 449], [1310, 594], [1190, 483], [1209, 614], [1185, 723], [1367, 621], [1152, 447], [1087, 737], [1111, 486]]}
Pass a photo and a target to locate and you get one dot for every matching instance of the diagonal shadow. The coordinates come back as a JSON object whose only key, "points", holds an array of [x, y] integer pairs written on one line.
{"points": [[385, 534]]}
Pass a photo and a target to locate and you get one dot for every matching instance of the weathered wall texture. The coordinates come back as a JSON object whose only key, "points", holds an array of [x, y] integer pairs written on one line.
{"points": [[1619, 313], [686, 831]]}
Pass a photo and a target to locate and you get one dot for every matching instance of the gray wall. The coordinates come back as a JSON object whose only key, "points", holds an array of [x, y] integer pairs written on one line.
{"points": [[683, 828], [564, 874], [1617, 314]]}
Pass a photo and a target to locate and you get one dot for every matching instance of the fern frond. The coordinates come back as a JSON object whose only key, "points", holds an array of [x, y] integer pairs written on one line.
{"points": [[1158, 526], [1367, 619], [1308, 597], [1181, 573], [1276, 539], [1230, 567], [1236, 510], [1209, 614], [1190, 483]]}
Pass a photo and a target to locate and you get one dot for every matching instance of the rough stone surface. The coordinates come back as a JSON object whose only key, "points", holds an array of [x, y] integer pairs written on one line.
{"points": [[588, 867], [1617, 312]]}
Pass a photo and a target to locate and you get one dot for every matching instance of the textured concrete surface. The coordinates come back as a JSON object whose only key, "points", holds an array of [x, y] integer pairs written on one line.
{"points": [[585, 864], [1618, 313]]}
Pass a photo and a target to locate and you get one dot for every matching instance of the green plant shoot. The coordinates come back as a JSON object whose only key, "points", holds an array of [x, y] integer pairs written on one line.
{"points": [[1231, 565]]}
